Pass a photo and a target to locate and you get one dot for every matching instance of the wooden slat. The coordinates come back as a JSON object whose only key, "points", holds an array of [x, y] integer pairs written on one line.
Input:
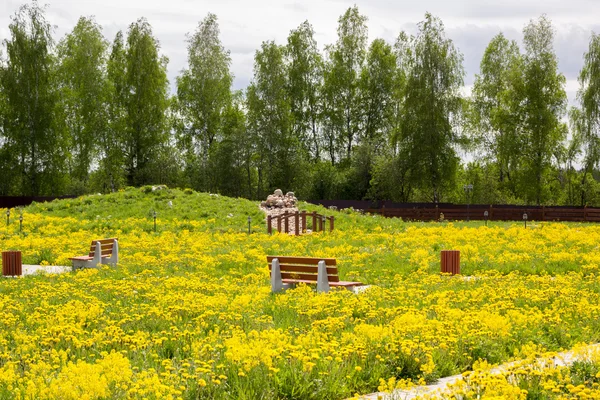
{"points": [[340, 283], [302, 260], [304, 268], [303, 277], [308, 277], [105, 247], [345, 283]]}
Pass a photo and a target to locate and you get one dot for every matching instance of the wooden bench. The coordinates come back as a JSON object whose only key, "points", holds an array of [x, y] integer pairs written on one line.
{"points": [[102, 251], [288, 271]]}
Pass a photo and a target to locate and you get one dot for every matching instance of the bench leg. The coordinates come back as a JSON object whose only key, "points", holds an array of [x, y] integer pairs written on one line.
{"points": [[115, 254], [322, 280], [114, 257], [276, 282], [97, 255], [77, 264]]}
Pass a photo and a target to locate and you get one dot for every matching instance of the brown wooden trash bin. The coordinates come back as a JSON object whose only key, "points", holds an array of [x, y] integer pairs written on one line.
{"points": [[12, 264], [451, 261]]}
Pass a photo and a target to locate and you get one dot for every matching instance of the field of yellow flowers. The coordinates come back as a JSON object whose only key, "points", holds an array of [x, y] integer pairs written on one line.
{"points": [[188, 311]]}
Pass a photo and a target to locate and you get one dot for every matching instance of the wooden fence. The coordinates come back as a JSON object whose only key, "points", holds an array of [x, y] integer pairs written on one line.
{"points": [[18, 201], [494, 213], [462, 212], [297, 222]]}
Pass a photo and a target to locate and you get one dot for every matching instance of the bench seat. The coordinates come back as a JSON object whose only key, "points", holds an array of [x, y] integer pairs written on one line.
{"points": [[340, 283]]}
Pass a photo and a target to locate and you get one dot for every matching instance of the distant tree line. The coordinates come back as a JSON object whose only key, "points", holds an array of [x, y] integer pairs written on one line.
{"points": [[359, 120]]}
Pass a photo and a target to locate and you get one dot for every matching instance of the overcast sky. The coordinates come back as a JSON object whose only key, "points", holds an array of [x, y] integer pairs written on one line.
{"points": [[245, 24]]}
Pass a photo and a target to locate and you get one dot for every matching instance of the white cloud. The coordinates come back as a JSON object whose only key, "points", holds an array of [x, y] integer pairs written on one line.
{"points": [[245, 24]]}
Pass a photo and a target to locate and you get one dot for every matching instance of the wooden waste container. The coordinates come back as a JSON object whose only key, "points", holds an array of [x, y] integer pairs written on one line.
{"points": [[12, 264], [451, 261]]}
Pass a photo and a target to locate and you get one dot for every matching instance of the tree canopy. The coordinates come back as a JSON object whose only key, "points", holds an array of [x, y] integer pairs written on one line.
{"points": [[353, 119]]}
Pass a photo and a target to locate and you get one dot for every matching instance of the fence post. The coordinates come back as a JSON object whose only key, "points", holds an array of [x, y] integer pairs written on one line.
{"points": [[314, 224], [585, 213], [286, 223], [269, 228], [297, 221], [331, 224], [383, 211], [320, 223], [278, 223], [303, 221], [543, 213], [437, 213], [491, 213]]}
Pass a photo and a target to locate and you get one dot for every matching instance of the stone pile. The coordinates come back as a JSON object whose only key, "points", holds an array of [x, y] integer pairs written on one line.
{"points": [[277, 204], [278, 200]]}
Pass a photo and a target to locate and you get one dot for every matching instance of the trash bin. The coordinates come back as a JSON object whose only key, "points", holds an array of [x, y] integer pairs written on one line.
{"points": [[12, 264], [451, 261]]}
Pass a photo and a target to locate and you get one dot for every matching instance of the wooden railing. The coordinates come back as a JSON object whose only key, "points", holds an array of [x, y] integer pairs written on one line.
{"points": [[299, 220]]}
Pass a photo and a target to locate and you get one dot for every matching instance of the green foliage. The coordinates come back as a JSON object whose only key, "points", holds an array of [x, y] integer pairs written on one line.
{"points": [[545, 101], [359, 120], [34, 143], [432, 100], [305, 81], [204, 96], [82, 79], [278, 155], [495, 115], [145, 100], [341, 81]]}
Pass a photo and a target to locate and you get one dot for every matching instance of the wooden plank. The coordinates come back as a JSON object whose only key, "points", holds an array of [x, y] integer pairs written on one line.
{"points": [[340, 283], [311, 277], [303, 277], [346, 283], [102, 248], [302, 260], [105, 246], [305, 268]]}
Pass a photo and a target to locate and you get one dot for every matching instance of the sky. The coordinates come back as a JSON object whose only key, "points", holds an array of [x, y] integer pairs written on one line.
{"points": [[244, 25]]}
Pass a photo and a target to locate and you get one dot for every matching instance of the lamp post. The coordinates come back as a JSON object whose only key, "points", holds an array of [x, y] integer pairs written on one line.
{"points": [[525, 219], [485, 215], [468, 189], [21, 222], [154, 215], [7, 217], [249, 220]]}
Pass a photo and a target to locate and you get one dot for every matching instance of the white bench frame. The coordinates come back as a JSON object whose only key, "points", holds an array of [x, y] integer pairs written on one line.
{"points": [[278, 285], [80, 262]]}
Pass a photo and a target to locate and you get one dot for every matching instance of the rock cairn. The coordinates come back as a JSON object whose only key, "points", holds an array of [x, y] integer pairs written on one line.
{"points": [[277, 203], [278, 200]]}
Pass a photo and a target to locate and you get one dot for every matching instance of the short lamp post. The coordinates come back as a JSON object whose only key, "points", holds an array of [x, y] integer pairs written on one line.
{"points": [[525, 219], [485, 216], [21, 223], [154, 216], [249, 221], [7, 217], [468, 190]]}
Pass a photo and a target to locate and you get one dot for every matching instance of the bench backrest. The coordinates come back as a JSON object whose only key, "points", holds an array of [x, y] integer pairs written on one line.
{"points": [[106, 246], [304, 268]]}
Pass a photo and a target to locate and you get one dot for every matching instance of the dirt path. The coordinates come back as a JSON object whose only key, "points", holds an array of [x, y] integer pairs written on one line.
{"points": [[440, 388]]}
